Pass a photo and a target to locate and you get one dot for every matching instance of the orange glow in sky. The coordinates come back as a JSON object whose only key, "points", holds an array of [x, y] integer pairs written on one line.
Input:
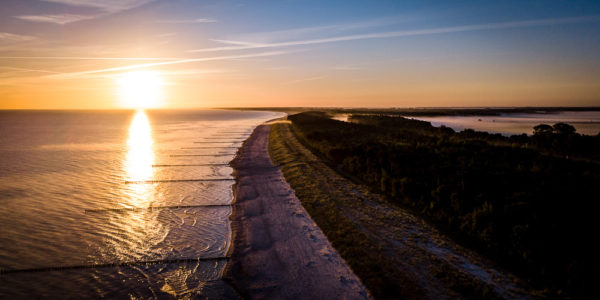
{"points": [[83, 54]]}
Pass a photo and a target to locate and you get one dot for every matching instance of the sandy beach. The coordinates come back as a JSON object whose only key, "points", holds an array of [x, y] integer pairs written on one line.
{"points": [[278, 251]]}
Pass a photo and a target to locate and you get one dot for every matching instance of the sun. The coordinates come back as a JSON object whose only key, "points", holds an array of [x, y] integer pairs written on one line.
{"points": [[140, 89]]}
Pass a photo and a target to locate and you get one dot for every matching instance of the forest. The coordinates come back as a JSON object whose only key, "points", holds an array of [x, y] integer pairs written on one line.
{"points": [[526, 202]]}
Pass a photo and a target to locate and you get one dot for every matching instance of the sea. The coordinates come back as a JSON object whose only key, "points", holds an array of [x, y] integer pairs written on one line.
{"points": [[585, 122], [118, 204]]}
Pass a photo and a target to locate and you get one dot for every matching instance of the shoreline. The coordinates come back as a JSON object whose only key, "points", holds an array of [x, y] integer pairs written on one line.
{"points": [[277, 250]]}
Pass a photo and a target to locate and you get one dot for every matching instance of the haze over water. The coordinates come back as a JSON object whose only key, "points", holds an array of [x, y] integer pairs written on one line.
{"points": [[585, 122], [74, 192]]}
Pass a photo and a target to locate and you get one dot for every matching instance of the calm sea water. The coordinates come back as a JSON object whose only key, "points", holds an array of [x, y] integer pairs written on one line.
{"points": [[91, 190], [585, 122]]}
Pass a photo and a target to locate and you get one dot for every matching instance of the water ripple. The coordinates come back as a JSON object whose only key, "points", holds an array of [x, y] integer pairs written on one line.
{"points": [[57, 166]]}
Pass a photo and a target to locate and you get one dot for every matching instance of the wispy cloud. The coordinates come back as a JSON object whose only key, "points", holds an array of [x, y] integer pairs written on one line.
{"points": [[29, 70], [181, 61], [187, 72], [270, 36], [243, 45], [56, 19], [89, 58], [5, 36], [104, 7], [239, 43], [109, 6], [187, 21]]}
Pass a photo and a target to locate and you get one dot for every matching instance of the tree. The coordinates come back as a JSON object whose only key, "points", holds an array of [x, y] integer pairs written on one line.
{"points": [[563, 128], [542, 129]]}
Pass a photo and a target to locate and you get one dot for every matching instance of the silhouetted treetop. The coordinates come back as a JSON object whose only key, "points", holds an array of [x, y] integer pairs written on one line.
{"points": [[563, 128], [542, 129]]}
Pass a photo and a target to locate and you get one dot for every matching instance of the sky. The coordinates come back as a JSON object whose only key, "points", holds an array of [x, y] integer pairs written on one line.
{"points": [[75, 54]]}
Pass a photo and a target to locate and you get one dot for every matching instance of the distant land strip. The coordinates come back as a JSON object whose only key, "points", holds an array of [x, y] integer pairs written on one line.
{"points": [[230, 142], [431, 111], [220, 154], [121, 264], [189, 165], [152, 208], [232, 147], [179, 180]]}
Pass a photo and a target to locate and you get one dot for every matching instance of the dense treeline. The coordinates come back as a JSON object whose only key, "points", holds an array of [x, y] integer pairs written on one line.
{"points": [[525, 201]]}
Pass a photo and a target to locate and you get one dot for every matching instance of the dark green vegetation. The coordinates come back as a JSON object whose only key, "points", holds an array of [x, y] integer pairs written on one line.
{"points": [[366, 229], [320, 193], [526, 202]]}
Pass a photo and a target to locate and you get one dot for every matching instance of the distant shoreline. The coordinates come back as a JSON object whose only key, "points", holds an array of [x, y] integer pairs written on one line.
{"points": [[406, 111], [428, 111]]}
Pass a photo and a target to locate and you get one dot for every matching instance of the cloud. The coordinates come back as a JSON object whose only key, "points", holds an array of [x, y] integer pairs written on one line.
{"points": [[105, 7], [190, 21], [243, 45], [239, 43], [267, 36], [109, 6], [180, 61], [5, 36], [88, 58], [29, 70], [186, 72], [56, 19]]}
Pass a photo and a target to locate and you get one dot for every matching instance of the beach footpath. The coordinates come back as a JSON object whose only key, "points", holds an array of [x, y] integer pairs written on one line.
{"points": [[278, 251]]}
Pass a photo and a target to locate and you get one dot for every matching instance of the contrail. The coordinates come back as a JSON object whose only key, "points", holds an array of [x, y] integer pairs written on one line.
{"points": [[181, 61], [240, 45]]}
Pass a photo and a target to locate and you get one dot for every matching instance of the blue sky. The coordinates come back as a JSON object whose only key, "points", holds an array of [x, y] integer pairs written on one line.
{"points": [[304, 53]]}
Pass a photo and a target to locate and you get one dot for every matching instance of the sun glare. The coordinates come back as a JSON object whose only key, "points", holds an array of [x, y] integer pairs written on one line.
{"points": [[139, 160], [140, 89]]}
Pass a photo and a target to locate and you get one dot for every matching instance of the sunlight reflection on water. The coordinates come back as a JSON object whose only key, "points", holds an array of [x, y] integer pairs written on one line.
{"points": [[139, 160], [140, 155], [131, 236], [66, 172]]}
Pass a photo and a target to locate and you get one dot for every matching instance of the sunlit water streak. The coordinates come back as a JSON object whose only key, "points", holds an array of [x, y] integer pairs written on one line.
{"points": [[56, 165]]}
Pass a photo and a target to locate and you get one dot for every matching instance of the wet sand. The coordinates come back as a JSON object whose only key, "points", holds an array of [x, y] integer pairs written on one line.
{"points": [[278, 251]]}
